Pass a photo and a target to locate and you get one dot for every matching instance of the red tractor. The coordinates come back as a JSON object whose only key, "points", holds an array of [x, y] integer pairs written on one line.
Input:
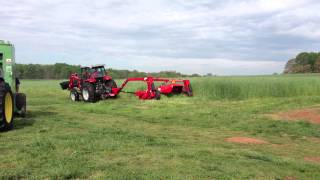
{"points": [[93, 83]]}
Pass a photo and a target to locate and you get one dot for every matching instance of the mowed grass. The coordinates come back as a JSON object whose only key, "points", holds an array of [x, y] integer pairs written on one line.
{"points": [[175, 138]]}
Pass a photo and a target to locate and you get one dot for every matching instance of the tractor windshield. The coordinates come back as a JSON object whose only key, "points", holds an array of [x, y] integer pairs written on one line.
{"points": [[98, 72]]}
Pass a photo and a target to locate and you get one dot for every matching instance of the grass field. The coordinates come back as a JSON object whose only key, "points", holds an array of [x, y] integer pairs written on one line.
{"points": [[174, 138]]}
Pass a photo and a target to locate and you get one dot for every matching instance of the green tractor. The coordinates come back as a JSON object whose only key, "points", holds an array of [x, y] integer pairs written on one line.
{"points": [[11, 101]]}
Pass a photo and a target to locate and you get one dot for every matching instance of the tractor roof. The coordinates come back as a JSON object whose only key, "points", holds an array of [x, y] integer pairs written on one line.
{"points": [[3, 42], [84, 67], [92, 66], [98, 65]]}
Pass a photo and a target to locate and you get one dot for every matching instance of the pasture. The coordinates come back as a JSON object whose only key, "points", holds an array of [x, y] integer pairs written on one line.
{"points": [[201, 137]]}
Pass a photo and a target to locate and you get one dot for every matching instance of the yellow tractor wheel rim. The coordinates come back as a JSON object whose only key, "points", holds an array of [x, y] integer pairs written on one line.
{"points": [[8, 111]]}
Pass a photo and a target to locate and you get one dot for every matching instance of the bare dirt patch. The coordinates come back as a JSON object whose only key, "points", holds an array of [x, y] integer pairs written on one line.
{"points": [[313, 140], [309, 115], [245, 140], [312, 159], [290, 178], [143, 107]]}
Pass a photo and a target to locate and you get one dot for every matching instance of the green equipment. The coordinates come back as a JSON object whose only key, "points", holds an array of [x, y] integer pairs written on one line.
{"points": [[11, 101]]}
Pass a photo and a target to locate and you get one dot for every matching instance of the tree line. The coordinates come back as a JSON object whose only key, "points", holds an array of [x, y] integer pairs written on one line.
{"points": [[306, 62], [63, 71]]}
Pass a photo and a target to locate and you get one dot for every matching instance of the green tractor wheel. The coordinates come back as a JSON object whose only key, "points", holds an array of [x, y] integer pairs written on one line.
{"points": [[6, 107]]}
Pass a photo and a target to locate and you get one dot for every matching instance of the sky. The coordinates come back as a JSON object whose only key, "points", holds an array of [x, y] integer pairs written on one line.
{"points": [[222, 37]]}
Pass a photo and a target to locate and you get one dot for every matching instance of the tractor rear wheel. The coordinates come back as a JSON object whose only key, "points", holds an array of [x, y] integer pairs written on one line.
{"points": [[6, 107], [88, 93], [74, 95]]}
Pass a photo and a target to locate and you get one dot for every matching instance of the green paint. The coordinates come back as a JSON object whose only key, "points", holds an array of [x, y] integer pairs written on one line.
{"points": [[7, 62], [7, 65]]}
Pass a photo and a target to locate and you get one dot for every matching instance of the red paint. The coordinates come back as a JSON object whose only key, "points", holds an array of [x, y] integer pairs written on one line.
{"points": [[169, 86]]}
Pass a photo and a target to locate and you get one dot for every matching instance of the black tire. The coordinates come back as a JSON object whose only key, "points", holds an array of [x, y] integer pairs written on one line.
{"points": [[64, 85], [158, 95], [88, 93], [74, 95], [190, 92], [21, 104], [6, 107]]}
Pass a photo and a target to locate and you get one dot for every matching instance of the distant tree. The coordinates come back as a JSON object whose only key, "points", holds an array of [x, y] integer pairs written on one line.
{"points": [[317, 65], [304, 63], [63, 71], [290, 66], [195, 75]]}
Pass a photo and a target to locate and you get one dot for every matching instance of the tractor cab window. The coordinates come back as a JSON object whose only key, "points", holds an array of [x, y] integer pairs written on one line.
{"points": [[1, 73], [1, 58], [85, 73], [99, 72]]}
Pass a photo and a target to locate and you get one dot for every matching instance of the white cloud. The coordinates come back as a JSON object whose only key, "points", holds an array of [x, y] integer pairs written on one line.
{"points": [[215, 66], [205, 34], [258, 7]]}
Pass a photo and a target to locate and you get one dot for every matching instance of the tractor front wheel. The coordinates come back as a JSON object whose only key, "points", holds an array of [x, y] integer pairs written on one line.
{"points": [[74, 95], [88, 93], [6, 107]]}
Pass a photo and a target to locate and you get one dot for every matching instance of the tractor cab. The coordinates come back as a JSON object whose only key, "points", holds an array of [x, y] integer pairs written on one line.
{"points": [[92, 73], [7, 62], [98, 71], [85, 72], [92, 84]]}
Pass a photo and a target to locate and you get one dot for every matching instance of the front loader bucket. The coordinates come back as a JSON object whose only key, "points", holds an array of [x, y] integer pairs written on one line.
{"points": [[64, 85]]}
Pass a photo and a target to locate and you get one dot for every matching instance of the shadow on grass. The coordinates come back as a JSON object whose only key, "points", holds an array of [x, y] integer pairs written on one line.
{"points": [[29, 119], [39, 113], [20, 123]]}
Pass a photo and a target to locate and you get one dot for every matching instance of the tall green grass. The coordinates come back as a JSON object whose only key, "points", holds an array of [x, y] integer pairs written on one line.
{"points": [[238, 88], [244, 87]]}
